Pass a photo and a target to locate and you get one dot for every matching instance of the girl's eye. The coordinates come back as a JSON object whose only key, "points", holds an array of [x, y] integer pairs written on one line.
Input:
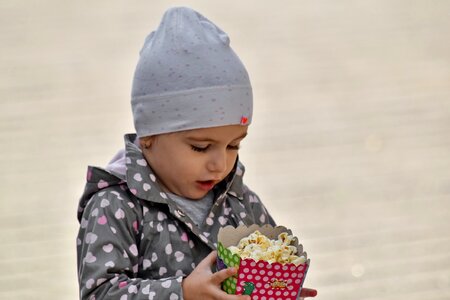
{"points": [[199, 149]]}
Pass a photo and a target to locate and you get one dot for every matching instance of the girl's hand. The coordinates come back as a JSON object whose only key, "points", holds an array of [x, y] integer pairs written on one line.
{"points": [[205, 285]]}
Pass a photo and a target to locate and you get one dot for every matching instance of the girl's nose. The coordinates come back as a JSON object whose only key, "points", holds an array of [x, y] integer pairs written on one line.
{"points": [[217, 162]]}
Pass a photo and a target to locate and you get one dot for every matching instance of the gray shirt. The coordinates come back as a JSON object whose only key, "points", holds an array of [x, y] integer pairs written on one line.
{"points": [[197, 210]]}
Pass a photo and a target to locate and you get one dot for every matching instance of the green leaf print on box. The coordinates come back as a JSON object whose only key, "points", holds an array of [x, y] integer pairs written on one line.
{"points": [[229, 260]]}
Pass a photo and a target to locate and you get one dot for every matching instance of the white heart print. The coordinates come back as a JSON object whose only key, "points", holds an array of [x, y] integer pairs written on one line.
{"points": [[108, 248], [141, 162], [90, 283], [90, 258], [179, 256], [137, 177], [120, 214]]}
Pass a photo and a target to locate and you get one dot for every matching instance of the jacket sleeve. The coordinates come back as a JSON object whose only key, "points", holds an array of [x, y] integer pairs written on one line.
{"points": [[260, 214], [107, 253]]}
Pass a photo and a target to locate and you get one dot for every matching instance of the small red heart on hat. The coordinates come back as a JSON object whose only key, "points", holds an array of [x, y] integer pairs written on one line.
{"points": [[244, 120]]}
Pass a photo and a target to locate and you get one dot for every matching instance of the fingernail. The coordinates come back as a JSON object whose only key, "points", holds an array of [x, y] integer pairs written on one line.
{"points": [[233, 269]]}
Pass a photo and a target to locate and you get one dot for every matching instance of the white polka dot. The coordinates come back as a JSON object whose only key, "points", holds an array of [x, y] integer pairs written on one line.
{"points": [[104, 203], [146, 290], [100, 281], [166, 284], [154, 257], [119, 214], [110, 264], [146, 263], [137, 177], [83, 223], [223, 220], [90, 258], [141, 162], [173, 296], [168, 249], [161, 216], [133, 249], [90, 283], [262, 218], [179, 256], [132, 289], [90, 238], [108, 248]]}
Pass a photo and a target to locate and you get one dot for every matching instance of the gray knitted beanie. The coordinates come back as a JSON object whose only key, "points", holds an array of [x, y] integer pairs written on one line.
{"points": [[188, 77]]}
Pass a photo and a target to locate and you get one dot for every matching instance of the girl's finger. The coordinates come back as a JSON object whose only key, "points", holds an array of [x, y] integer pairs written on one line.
{"points": [[225, 296], [220, 276], [308, 293]]}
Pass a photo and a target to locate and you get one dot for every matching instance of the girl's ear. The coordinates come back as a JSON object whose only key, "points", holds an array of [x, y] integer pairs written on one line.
{"points": [[146, 142]]}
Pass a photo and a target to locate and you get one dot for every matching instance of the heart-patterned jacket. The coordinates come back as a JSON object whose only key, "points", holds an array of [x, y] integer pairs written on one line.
{"points": [[134, 242]]}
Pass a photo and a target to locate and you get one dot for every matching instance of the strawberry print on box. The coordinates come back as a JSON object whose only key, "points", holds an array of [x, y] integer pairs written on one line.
{"points": [[260, 279]]}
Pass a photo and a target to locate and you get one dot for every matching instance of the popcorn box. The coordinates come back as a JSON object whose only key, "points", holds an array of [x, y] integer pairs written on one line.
{"points": [[260, 279]]}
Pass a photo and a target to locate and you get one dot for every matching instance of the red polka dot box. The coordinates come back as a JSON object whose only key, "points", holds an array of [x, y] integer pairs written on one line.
{"points": [[260, 279]]}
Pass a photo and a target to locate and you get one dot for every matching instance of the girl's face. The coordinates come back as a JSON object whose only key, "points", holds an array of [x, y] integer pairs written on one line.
{"points": [[190, 163]]}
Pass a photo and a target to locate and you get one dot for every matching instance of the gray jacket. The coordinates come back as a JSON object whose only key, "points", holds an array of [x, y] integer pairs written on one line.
{"points": [[135, 243]]}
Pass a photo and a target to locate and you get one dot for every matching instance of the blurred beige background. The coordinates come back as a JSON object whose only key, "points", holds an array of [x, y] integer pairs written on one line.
{"points": [[350, 145]]}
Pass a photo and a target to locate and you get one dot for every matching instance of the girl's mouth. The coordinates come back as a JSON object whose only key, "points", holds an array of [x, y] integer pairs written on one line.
{"points": [[206, 185]]}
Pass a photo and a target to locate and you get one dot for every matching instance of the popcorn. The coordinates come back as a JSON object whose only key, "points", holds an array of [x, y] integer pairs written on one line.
{"points": [[269, 260], [259, 247]]}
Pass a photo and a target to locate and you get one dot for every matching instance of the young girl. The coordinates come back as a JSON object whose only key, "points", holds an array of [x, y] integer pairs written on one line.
{"points": [[149, 220]]}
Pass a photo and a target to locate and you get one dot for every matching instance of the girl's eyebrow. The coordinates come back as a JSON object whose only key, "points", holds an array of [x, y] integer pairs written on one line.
{"points": [[207, 139]]}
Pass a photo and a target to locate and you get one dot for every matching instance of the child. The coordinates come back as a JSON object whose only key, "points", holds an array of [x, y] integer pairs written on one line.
{"points": [[149, 220]]}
